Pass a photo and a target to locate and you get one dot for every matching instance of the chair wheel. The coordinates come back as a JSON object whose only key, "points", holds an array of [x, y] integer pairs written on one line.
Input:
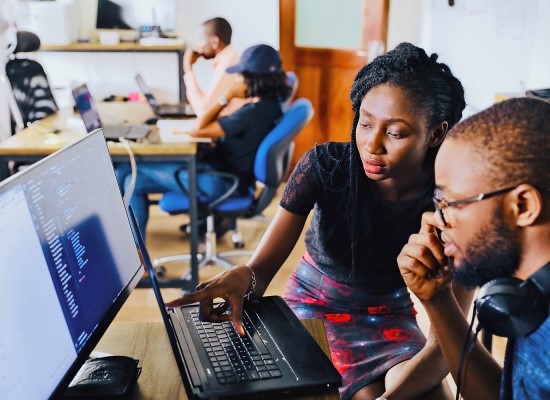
{"points": [[239, 245], [160, 271]]}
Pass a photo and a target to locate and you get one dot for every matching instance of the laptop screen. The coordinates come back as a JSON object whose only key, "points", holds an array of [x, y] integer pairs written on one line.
{"points": [[85, 106], [147, 93], [68, 262]]}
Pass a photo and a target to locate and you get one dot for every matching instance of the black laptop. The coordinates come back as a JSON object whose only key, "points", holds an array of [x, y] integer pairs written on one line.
{"points": [[181, 110], [277, 357], [86, 108]]}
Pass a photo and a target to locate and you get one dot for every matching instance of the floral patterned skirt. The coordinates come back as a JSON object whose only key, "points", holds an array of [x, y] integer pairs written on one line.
{"points": [[367, 334]]}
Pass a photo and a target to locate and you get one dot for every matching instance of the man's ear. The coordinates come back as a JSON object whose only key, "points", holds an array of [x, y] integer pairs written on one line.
{"points": [[214, 42], [438, 134], [527, 205]]}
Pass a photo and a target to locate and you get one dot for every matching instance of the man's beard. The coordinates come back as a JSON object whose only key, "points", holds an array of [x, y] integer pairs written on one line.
{"points": [[493, 253]]}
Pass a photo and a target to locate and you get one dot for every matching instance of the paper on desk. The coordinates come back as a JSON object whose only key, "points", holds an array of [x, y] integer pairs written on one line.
{"points": [[177, 131]]}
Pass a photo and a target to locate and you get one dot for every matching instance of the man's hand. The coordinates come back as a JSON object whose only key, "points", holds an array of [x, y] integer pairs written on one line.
{"points": [[422, 262], [231, 285], [190, 57]]}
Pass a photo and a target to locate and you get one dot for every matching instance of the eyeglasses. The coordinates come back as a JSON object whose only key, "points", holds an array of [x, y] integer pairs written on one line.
{"points": [[441, 204]]}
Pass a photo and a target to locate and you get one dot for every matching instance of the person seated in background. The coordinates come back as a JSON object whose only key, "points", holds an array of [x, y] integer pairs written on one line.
{"points": [[215, 45], [367, 197], [238, 136], [498, 240]]}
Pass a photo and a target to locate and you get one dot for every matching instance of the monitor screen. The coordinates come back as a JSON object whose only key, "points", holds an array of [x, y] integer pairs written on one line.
{"points": [[68, 263], [131, 14]]}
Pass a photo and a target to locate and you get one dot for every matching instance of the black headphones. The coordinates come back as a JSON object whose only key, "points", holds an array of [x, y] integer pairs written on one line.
{"points": [[511, 307]]}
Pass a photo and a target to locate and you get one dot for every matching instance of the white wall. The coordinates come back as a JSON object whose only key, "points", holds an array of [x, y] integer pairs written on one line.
{"points": [[493, 46], [404, 22], [253, 22]]}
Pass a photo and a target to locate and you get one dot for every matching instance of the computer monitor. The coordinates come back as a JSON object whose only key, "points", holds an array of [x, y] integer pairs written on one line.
{"points": [[131, 14], [68, 261]]}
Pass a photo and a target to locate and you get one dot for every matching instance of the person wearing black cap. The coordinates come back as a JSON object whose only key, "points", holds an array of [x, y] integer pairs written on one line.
{"points": [[260, 80]]}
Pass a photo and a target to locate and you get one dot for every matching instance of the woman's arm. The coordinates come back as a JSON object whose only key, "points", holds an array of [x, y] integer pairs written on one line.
{"points": [[232, 285], [212, 130], [428, 368], [275, 247]]}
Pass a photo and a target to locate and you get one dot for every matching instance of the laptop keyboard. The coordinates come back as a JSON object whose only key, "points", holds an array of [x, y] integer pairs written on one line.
{"points": [[130, 131], [235, 358]]}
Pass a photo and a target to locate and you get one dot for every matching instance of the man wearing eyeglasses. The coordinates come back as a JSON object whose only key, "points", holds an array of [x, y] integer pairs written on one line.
{"points": [[491, 228]]}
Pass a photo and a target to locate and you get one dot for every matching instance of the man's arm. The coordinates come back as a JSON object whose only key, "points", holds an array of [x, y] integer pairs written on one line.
{"points": [[236, 91], [423, 266], [428, 368]]}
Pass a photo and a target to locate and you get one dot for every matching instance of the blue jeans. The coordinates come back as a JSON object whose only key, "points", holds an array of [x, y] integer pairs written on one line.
{"points": [[161, 178]]}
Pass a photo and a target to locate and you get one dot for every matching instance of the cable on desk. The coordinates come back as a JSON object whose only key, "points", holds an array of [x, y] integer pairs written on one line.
{"points": [[129, 190]]}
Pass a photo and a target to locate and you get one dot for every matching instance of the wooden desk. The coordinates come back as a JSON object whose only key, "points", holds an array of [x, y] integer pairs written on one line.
{"points": [[160, 378], [38, 141], [125, 47]]}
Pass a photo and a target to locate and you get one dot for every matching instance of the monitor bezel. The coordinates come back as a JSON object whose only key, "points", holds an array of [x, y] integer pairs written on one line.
{"points": [[102, 327]]}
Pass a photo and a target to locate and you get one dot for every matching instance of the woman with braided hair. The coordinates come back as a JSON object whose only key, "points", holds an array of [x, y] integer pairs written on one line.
{"points": [[368, 196]]}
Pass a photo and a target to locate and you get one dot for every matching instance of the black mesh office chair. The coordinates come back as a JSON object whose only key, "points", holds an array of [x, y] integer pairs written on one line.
{"points": [[28, 81]]}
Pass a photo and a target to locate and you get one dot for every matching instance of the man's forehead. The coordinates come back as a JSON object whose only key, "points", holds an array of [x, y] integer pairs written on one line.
{"points": [[459, 167]]}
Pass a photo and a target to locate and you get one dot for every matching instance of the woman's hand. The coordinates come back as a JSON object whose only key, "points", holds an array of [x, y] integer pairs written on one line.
{"points": [[422, 262], [232, 286]]}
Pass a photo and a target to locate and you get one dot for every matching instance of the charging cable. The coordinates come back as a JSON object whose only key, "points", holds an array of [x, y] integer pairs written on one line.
{"points": [[129, 189], [465, 353]]}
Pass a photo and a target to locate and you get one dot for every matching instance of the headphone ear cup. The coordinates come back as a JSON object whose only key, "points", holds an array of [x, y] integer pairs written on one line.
{"points": [[506, 308]]}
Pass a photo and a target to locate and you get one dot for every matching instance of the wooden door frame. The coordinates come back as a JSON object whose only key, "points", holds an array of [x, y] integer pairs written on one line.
{"points": [[374, 27]]}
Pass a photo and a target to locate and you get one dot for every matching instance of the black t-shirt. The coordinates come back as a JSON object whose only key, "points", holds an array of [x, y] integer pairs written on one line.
{"points": [[244, 131], [320, 181]]}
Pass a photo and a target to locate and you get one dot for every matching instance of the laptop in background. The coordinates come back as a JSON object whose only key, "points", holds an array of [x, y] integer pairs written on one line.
{"points": [[181, 110], [85, 106], [68, 263], [277, 357]]}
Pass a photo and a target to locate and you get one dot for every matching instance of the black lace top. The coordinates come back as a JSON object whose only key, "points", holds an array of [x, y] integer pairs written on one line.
{"points": [[320, 181]]}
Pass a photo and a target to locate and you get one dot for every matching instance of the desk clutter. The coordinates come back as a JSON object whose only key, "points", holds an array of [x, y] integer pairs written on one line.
{"points": [[104, 378]]}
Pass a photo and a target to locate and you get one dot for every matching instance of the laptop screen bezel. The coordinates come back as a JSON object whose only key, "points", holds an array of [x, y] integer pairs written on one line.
{"points": [[151, 100], [78, 90], [146, 261], [96, 336]]}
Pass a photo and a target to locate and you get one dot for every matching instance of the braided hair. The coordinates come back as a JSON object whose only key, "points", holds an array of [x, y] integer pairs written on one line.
{"points": [[433, 90]]}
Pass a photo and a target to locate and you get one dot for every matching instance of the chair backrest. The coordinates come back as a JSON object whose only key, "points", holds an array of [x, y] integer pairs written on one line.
{"points": [[275, 152], [29, 83], [292, 81]]}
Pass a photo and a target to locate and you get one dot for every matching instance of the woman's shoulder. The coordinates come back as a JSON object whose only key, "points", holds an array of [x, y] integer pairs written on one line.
{"points": [[331, 160], [330, 155]]}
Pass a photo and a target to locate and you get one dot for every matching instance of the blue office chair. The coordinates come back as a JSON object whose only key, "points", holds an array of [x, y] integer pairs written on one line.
{"points": [[28, 81], [292, 81], [270, 168]]}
